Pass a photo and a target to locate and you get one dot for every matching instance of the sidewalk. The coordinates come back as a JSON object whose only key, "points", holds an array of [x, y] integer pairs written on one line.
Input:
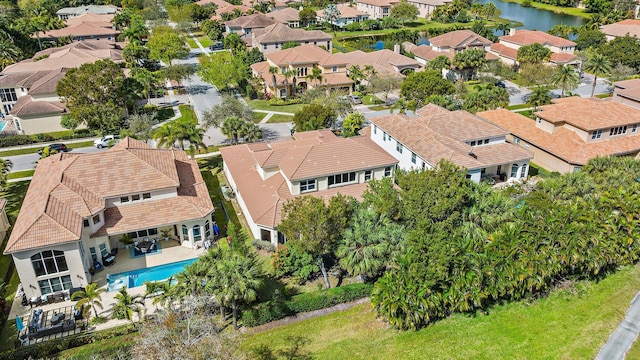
{"points": [[624, 335]]}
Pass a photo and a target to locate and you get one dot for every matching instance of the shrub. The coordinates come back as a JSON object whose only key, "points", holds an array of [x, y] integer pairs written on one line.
{"points": [[287, 261], [281, 102], [277, 309], [249, 90], [15, 140], [263, 245]]}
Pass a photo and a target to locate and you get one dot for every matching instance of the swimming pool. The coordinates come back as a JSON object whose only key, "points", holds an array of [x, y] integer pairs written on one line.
{"points": [[140, 276], [2, 124]]}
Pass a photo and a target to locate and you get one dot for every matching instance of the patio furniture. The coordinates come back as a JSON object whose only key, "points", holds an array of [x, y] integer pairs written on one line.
{"points": [[97, 265], [109, 260], [57, 318]]}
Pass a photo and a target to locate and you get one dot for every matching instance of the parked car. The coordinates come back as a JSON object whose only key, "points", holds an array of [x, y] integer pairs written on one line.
{"points": [[54, 147], [104, 141], [218, 45], [355, 99], [501, 84]]}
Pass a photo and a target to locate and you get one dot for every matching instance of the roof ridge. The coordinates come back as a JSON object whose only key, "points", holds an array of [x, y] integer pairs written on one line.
{"points": [[151, 166]]}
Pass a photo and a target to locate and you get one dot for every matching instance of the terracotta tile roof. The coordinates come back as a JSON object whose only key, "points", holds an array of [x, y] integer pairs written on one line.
{"points": [[219, 3], [440, 134], [105, 19], [26, 106], [562, 58], [431, 2], [589, 113], [305, 54], [622, 28], [311, 155], [229, 9], [84, 26], [427, 53], [68, 187], [562, 143], [504, 51], [460, 39], [47, 84], [346, 12], [262, 69], [384, 61], [528, 37], [285, 15], [254, 21], [95, 9], [280, 33], [628, 88], [381, 3], [333, 79]]}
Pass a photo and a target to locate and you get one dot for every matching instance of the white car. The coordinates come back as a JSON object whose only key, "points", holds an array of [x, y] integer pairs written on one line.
{"points": [[104, 141]]}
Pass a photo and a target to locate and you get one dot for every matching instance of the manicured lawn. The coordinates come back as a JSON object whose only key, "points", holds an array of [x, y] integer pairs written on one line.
{"points": [[81, 144], [416, 25], [204, 40], [264, 105], [279, 118], [258, 116], [165, 113], [542, 172], [191, 42], [370, 100], [378, 108], [19, 151], [187, 113], [603, 96], [556, 9], [518, 107], [563, 326], [20, 174]]}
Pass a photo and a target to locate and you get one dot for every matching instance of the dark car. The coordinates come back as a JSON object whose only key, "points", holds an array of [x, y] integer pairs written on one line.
{"points": [[501, 84], [218, 45], [55, 147]]}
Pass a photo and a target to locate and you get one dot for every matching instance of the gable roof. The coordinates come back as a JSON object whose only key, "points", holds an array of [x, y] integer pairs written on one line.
{"points": [[629, 27], [528, 37], [438, 134], [96, 9], [254, 21], [589, 113], [313, 154], [381, 3], [346, 12], [504, 51], [68, 187], [383, 61], [628, 88], [426, 52], [280, 33], [460, 39], [26, 106], [562, 143], [82, 29]]}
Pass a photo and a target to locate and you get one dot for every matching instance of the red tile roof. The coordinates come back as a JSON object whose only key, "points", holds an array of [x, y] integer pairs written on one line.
{"points": [[460, 39], [589, 113], [528, 37], [629, 27]]}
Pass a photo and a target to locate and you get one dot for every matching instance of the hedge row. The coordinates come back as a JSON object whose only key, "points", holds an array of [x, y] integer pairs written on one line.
{"points": [[277, 309], [49, 348], [17, 140]]}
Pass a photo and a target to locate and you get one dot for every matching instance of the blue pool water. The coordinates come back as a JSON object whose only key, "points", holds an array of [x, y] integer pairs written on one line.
{"points": [[140, 276], [2, 124]]}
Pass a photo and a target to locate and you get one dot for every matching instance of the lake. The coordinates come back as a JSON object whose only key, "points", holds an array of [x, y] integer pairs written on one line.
{"points": [[532, 18]]}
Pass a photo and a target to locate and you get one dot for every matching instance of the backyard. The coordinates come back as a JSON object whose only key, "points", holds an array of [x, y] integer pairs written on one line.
{"points": [[572, 324]]}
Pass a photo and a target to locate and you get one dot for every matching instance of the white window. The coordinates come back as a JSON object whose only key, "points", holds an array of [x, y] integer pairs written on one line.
{"points": [[8, 95], [523, 172], [618, 130], [49, 286], [96, 219], [413, 157], [398, 147], [516, 140], [367, 175], [384, 136], [514, 170], [124, 199], [185, 232], [307, 185], [596, 135], [342, 178], [103, 250], [49, 262], [486, 141], [634, 128], [197, 236], [277, 45], [335, 68], [85, 222], [207, 229], [146, 196], [264, 46], [135, 197], [375, 129], [473, 143], [387, 171]]}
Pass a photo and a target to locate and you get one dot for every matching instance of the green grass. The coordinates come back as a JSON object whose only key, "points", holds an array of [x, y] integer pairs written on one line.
{"points": [[34, 150], [204, 40], [556, 9], [603, 96], [370, 100], [20, 174], [191, 42], [518, 107], [264, 105], [279, 118], [377, 108], [165, 113], [81, 144], [542, 172], [106, 347], [416, 25], [527, 113], [562, 326], [187, 113], [258, 116]]}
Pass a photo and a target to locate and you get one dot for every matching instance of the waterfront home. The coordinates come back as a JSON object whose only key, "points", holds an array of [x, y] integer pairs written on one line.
{"points": [[295, 65], [244, 25], [70, 12], [561, 49], [288, 16], [79, 206], [449, 44], [264, 176], [568, 133], [377, 9], [272, 38], [622, 28], [348, 15], [457, 136], [627, 92], [28, 88]]}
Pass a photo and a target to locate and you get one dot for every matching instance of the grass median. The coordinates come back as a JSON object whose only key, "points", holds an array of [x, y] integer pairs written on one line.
{"points": [[34, 150]]}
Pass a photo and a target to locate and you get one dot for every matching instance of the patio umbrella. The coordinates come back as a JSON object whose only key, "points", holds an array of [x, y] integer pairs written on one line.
{"points": [[19, 323], [216, 229]]}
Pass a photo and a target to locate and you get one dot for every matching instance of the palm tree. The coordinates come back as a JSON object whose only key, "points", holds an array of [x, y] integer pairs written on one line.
{"points": [[598, 65], [240, 276], [566, 77], [195, 136], [315, 76], [540, 96], [9, 52], [232, 128], [504, 27], [273, 70], [148, 79], [90, 295], [252, 132], [126, 305], [291, 73], [5, 169], [369, 72]]}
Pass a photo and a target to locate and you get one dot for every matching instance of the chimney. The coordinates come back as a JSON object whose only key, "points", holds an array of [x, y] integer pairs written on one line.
{"points": [[396, 48], [512, 32]]}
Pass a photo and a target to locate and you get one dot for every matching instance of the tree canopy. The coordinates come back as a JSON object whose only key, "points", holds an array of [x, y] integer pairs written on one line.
{"points": [[166, 44], [314, 117], [533, 54], [404, 11], [420, 85], [222, 70]]}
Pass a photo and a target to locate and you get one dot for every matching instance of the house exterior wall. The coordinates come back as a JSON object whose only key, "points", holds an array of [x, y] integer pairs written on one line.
{"points": [[155, 195], [375, 12], [267, 48], [543, 158], [584, 135], [389, 144], [545, 125], [39, 124], [27, 274], [626, 101], [255, 229], [424, 10]]}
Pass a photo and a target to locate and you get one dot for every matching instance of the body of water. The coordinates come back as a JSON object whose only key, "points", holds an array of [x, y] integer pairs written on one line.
{"points": [[140, 276], [532, 18]]}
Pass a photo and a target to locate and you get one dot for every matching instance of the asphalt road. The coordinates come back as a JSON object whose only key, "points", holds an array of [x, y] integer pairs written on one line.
{"points": [[584, 89], [28, 162]]}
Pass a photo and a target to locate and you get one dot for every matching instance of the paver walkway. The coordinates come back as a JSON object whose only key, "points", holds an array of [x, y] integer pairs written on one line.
{"points": [[624, 335]]}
